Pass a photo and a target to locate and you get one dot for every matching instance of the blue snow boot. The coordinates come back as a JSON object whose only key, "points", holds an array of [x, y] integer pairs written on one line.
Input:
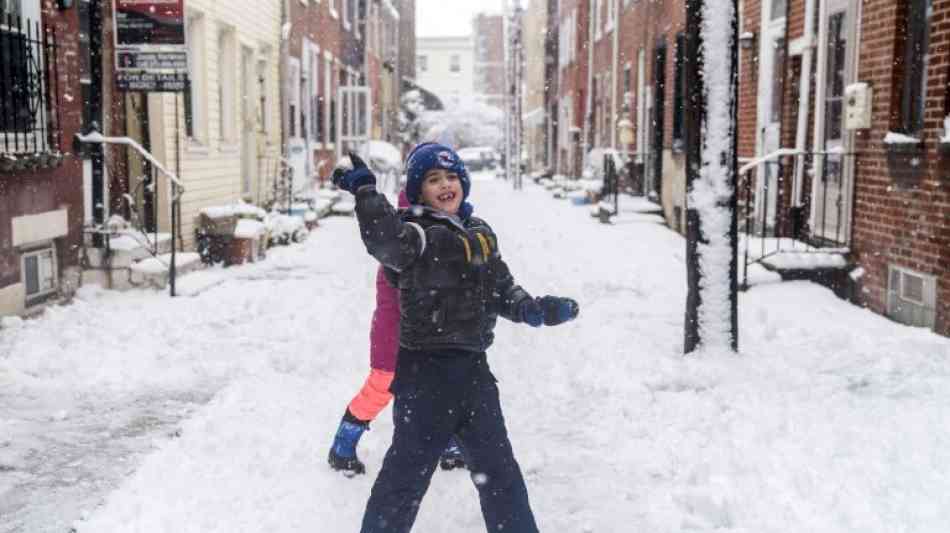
{"points": [[343, 452], [452, 456]]}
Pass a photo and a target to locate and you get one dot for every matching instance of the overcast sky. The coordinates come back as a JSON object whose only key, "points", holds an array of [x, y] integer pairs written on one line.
{"points": [[436, 18]]}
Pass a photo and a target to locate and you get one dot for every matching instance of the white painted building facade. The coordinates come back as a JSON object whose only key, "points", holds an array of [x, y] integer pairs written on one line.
{"points": [[446, 66], [230, 120]]}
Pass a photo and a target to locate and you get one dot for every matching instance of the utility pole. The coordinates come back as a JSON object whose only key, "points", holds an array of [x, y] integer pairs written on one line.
{"points": [[514, 77], [698, 133]]}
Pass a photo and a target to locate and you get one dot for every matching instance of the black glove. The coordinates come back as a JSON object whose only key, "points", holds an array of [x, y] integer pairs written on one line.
{"points": [[558, 310], [353, 178], [531, 312]]}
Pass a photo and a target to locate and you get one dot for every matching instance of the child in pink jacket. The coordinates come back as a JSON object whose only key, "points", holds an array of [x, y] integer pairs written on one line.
{"points": [[374, 395]]}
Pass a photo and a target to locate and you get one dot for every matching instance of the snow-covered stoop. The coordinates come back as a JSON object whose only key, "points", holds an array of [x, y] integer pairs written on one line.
{"points": [[129, 262]]}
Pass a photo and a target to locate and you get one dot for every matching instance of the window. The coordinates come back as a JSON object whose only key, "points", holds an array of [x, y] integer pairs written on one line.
{"points": [[455, 63], [911, 297], [626, 80], [679, 93], [778, 82], [346, 13], [915, 59], [334, 8], [226, 81], [779, 7], [316, 114], [39, 273], [834, 81], [611, 15], [293, 88], [598, 8], [195, 122], [328, 108], [423, 63], [264, 110], [26, 101]]}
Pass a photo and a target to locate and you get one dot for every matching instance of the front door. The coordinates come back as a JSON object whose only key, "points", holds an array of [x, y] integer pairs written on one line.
{"points": [[771, 88], [830, 209]]}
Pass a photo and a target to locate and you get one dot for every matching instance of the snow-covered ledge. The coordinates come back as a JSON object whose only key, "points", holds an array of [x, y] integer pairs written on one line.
{"points": [[893, 138]]}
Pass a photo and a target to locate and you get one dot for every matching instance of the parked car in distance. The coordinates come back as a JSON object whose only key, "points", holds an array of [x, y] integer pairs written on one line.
{"points": [[478, 158]]}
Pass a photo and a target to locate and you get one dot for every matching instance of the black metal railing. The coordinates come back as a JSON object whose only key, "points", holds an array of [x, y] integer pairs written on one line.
{"points": [[799, 206], [30, 132]]}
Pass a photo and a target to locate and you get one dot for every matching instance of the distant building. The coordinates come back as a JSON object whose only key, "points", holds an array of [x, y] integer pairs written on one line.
{"points": [[446, 66], [488, 37]]}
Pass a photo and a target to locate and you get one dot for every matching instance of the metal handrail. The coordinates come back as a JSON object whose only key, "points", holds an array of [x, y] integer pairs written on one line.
{"points": [[175, 187]]}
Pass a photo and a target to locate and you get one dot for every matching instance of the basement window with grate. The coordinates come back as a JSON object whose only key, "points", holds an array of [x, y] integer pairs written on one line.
{"points": [[911, 297]]}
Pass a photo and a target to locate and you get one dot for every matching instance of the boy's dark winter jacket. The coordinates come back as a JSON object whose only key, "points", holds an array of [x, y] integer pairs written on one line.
{"points": [[452, 281]]}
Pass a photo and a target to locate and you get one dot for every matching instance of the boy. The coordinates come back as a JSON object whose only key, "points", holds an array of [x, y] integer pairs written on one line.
{"points": [[453, 285]]}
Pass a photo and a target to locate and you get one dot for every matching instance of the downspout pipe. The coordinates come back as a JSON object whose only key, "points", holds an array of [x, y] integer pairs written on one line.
{"points": [[804, 101]]}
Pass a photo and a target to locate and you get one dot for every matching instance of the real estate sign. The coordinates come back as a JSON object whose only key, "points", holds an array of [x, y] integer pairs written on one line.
{"points": [[150, 50]]}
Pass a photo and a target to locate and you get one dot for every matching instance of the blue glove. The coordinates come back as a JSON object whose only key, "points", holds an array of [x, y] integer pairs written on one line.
{"points": [[531, 312], [352, 179], [558, 310]]}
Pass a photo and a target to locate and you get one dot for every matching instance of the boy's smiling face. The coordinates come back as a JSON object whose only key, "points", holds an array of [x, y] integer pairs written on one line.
{"points": [[442, 190]]}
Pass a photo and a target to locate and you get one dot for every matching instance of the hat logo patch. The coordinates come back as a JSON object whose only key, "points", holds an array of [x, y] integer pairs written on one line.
{"points": [[445, 159]]}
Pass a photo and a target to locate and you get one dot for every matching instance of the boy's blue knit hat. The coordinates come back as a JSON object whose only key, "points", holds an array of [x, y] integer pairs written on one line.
{"points": [[428, 156]]}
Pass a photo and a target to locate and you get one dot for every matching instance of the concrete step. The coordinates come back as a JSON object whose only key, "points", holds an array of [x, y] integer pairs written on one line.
{"points": [[154, 271]]}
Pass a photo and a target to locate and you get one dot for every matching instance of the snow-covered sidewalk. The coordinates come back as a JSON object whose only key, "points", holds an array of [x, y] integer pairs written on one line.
{"points": [[831, 419]]}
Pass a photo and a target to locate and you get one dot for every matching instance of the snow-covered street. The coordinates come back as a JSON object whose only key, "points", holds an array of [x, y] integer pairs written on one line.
{"points": [[134, 412]]}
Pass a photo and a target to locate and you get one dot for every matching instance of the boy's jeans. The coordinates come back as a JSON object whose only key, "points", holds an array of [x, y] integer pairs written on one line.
{"points": [[434, 398]]}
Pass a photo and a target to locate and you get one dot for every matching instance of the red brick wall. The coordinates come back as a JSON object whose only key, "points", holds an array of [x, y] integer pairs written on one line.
{"points": [[32, 192], [314, 22], [907, 226]]}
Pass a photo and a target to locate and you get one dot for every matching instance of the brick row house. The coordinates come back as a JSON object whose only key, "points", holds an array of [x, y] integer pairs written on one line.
{"points": [[334, 44], [842, 132], [41, 182], [263, 95]]}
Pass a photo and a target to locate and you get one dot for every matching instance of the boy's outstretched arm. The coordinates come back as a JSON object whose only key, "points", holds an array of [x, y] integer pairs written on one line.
{"points": [[395, 243]]}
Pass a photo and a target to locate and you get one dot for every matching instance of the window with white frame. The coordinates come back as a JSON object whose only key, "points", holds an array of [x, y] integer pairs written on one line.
{"points": [[329, 101], [422, 63], [455, 63], [611, 14], [334, 8], [911, 297], [293, 89], [346, 14], [195, 102], [227, 68], [39, 273], [316, 109]]}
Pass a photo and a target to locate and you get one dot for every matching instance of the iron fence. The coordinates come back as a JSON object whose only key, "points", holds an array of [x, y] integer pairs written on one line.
{"points": [[794, 201], [30, 132]]}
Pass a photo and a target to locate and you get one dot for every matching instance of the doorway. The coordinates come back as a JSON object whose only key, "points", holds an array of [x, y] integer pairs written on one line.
{"points": [[831, 188], [772, 52]]}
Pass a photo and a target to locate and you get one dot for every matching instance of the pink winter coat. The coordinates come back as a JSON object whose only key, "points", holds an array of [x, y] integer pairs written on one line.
{"points": [[384, 331]]}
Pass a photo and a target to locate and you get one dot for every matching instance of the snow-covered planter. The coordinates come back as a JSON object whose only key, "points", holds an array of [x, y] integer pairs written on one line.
{"points": [[285, 229]]}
